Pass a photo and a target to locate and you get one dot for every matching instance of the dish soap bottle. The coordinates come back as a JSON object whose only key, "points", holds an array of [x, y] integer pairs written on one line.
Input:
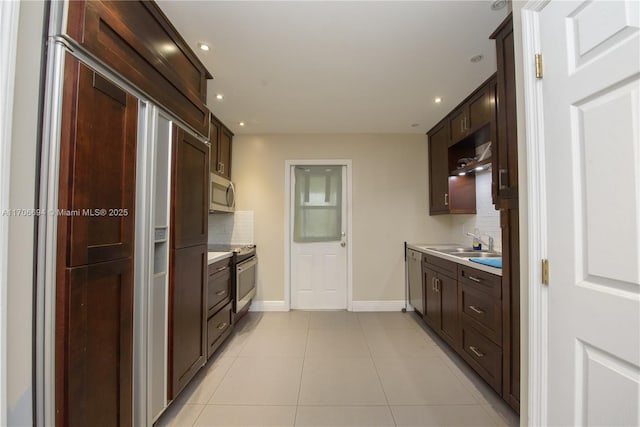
{"points": [[477, 246]]}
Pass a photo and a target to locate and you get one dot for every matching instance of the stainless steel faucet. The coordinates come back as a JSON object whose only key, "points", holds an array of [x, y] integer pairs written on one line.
{"points": [[489, 244]]}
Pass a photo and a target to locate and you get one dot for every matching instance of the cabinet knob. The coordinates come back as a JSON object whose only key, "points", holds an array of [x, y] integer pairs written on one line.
{"points": [[221, 292], [221, 326]]}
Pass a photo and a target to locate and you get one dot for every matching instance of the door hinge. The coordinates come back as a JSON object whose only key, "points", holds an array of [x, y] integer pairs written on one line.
{"points": [[538, 65], [545, 271]]}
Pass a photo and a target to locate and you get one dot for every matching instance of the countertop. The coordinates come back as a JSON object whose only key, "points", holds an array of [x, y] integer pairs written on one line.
{"points": [[430, 248], [217, 256]]}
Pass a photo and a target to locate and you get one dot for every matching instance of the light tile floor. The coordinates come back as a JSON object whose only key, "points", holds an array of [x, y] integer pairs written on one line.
{"points": [[323, 368]]}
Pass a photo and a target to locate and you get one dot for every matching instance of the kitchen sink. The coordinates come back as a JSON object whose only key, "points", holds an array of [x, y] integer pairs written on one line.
{"points": [[475, 254]]}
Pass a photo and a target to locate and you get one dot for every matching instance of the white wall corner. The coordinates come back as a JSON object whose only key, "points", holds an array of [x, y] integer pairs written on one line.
{"points": [[396, 305]]}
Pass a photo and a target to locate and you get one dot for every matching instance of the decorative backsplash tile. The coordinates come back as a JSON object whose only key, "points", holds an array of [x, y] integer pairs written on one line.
{"points": [[234, 228]]}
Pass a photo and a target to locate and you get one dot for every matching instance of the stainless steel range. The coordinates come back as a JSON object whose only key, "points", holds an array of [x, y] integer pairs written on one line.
{"points": [[244, 262]]}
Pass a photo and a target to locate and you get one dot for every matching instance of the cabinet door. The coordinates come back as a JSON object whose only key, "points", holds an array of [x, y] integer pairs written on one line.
{"points": [[224, 152], [480, 109], [448, 290], [190, 190], [187, 316], [214, 148], [432, 300], [97, 167], [458, 124], [94, 345], [507, 164], [438, 171]]}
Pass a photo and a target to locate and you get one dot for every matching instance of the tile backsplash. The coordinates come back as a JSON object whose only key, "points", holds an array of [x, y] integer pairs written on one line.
{"points": [[232, 228], [486, 219]]}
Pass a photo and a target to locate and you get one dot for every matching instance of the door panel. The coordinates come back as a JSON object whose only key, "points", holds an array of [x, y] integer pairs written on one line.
{"points": [[187, 316], [94, 355], [432, 313], [448, 289], [190, 190], [99, 167], [318, 244], [591, 95], [438, 171], [94, 260]]}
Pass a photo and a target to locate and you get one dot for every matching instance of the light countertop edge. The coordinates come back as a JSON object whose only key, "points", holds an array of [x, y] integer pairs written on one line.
{"points": [[425, 249], [217, 256]]}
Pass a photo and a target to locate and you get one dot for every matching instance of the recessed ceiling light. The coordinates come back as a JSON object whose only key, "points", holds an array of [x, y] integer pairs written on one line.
{"points": [[476, 58], [203, 46], [462, 174], [241, 123], [219, 97], [479, 168], [415, 125], [437, 100], [498, 4]]}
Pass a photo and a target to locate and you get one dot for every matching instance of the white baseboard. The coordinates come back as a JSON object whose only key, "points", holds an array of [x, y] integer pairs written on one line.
{"points": [[268, 306], [379, 306], [355, 306]]}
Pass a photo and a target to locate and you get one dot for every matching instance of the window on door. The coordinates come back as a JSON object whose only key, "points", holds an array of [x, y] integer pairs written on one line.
{"points": [[318, 204]]}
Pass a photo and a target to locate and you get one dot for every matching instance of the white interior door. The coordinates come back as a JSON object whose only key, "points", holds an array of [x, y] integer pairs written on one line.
{"points": [[318, 237], [591, 110]]}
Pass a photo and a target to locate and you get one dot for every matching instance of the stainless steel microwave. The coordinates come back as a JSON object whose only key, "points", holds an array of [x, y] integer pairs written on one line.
{"points": [[223, 194]]}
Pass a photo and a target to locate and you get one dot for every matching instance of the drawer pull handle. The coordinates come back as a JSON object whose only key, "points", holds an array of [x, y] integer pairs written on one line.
{"points": [[222, 292], [476, 351], [476, 309], [475, 279], [222, 325]]}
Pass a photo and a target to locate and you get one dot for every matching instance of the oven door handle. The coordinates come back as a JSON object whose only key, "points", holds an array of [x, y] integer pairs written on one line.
{"points": [[245, 265]]}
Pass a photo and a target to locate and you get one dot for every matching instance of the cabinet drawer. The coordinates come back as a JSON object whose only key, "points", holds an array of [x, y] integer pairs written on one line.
{"points": [[448, 268], [218, 289], [483, 311], [480, 280], [484, 356], [218, 328]]}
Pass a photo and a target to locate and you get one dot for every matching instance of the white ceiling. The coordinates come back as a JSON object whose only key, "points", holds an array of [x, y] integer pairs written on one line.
{"points": [[338, 67]]}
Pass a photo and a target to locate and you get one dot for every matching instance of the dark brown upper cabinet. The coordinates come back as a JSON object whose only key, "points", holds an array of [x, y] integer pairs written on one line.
{"points": [[505, 168], [469, 125], [137, 40], [190, 190], [221, 144], [447, 194], [473, 114]]}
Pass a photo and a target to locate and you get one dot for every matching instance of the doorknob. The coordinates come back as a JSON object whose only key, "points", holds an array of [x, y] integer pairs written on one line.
{"points": [[343, 244]]}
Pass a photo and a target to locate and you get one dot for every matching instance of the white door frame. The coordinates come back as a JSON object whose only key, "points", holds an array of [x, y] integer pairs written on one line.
{"points": [[288, 164], [9, 17], [537, 214]]}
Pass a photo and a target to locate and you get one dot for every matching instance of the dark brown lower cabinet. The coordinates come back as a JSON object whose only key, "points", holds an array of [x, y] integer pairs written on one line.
{"points": [[441, 298], [94, 345], [187, 316], [509, 219]]}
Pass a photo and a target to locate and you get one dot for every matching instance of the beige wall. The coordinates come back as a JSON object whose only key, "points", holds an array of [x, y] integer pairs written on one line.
{"points": [[389, 204], [21, 229]]}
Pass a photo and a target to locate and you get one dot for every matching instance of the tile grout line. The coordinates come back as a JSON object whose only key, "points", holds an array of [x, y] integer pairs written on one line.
{"points": [[375, 366], [304, 358]]}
